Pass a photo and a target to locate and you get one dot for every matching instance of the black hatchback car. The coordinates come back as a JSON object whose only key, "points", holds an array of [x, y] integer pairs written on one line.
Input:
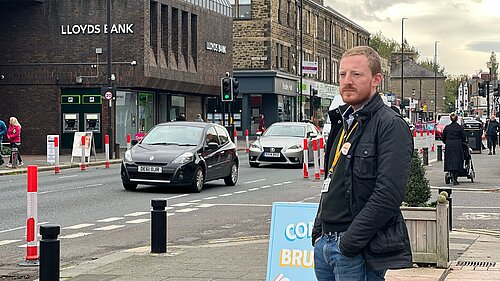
{"points": [[181, 153]]}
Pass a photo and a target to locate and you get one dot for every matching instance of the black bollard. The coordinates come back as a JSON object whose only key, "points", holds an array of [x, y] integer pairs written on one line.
{"points": [[450, 213], [440, 152], [50, 248], [425, 156], [158, 226]]}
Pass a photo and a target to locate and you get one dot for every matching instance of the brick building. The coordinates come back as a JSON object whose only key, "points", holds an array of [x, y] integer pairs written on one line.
{"points": [[167, 58], [267, 53]]}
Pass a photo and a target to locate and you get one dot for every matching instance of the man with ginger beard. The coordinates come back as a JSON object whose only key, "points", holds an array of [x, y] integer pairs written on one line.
{"points": [[359, 231]]}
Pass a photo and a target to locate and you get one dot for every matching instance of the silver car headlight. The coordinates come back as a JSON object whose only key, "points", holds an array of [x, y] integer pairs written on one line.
{"points": [[255, 146], [128, 156], [294, 148], [184, 158]]}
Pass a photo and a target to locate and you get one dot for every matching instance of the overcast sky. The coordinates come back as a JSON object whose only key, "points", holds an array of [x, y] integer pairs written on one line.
{"points": [[467, 30]]}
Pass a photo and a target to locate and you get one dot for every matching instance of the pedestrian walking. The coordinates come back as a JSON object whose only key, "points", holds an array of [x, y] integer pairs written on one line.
{"points": [[262, 123], [492, 129], [454, 139], [3, 131], [14, 136], [359, 232]]}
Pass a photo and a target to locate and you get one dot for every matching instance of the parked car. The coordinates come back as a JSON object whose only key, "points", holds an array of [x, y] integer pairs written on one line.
{"points": [[336, 102], [282, 143], [443, 121], [181, 153]]}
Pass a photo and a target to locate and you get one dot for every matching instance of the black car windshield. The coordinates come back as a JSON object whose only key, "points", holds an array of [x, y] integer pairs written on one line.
{"points": [[285, 131], [174, 135]]}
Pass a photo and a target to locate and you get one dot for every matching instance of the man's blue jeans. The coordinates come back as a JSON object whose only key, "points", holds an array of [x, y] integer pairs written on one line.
{"points": [[331, 265]]}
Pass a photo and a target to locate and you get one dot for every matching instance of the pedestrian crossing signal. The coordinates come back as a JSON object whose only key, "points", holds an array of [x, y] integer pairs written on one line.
{"points": [[226, 85]]}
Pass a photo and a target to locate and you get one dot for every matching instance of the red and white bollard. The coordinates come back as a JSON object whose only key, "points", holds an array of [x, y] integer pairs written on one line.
{"points": [[316, 158], [235, 134], [305, 165], [106, 149], [82, 166], [321, 156], [31, 221], [56, 151], [433, 135], [246, 139], [128, 142]]}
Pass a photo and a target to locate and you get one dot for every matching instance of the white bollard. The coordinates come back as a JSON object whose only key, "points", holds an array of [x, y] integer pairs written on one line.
{"points": [[321, 156], [316, 159], [305, 165]]}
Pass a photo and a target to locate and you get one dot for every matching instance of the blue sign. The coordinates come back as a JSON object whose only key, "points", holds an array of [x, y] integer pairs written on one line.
{"points": [[291, 255]]}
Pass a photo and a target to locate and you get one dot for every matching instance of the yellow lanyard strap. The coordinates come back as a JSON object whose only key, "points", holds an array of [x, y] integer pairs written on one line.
{"points": [[339, 145]]}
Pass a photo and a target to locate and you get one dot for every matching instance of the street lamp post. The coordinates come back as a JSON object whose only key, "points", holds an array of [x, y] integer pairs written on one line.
{"points": [[435, 78], [301, 61], [110, 82], [489, 64], [402, 61]]}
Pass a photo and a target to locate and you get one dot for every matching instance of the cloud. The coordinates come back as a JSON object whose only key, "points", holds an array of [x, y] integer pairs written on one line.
{"points": [[482, 46]]}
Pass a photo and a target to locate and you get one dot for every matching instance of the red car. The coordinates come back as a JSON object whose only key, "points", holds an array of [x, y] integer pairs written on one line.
{"points": [[443, 121]]}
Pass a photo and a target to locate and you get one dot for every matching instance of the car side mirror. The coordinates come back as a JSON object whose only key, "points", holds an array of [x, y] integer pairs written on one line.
{"points": [[134, 142], [213, 145]]}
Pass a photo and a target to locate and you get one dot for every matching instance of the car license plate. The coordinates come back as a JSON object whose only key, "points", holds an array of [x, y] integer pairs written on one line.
{"points": [[149, 169], [271, 154]]}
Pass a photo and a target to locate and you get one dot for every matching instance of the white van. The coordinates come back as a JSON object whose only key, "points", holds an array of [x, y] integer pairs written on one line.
{"points": [[336, 102]]}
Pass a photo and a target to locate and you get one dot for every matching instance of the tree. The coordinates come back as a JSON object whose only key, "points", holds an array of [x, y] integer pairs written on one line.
{"points": [[418, 191], [385, 47]]}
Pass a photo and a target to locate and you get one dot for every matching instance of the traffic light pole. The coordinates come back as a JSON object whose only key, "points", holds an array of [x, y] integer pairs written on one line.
{"points": [[488, 99], [110, 82]]}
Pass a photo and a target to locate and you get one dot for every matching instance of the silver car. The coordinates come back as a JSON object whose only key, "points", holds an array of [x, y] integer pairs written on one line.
{"points": [[282, 144]]}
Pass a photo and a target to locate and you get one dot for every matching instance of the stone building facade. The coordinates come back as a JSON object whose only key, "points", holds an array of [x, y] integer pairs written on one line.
{"points": [[268, 47], [167, 58]]}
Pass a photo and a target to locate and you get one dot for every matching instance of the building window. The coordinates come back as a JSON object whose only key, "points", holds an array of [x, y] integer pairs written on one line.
{"points": [[164, 29], [281, 56], [308, 22], [185, 37], [288, 59], [316, 20], [332, 33], [323, 70], [175, 33], [324, 29], [288, 13], [279, 11], [194, 38], [242, 9], [153, 19]]}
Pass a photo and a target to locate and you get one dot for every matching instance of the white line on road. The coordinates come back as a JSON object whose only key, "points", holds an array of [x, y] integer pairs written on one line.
{"points": [[265, 186], [76, 235], [195, 201], [137, 221], [136, 214], [187, 210], [277, 184], [111, 219], [67, 189], [253, 189], [239, 192], [20, 227], [225, 195], [181, 204], [65, 177], [210, 198], [205, 205], [254, 181], [110, 227], [78, 226], [287, 182], [5, 242], [245, 205]]}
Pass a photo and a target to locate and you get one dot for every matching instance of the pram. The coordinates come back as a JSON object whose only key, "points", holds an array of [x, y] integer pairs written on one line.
{"points": [[468, 167]]}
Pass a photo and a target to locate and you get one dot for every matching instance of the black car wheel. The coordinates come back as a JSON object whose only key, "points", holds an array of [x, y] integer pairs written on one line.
{"points": [[233, 176], [198, 180], [254, 165], [129, 186]]}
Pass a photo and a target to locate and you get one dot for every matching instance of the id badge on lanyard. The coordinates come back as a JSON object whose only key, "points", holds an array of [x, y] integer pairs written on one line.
{"points": [[326, 183]]}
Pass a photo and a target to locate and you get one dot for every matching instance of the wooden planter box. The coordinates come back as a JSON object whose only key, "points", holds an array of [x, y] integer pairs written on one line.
{"points": [[429, 236]]}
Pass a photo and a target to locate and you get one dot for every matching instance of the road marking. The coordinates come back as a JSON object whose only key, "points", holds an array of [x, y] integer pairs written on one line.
{"points": [[110, 227], [277, 184], [170, 214], [20, 227], [479, 216], [111, 219], [177, 196], [181, 204], [225, 195], [241, 191], [210, 198], [137, 221], [265, 186], [136, 214], [187, 210], [195, 201], [5, 242], [76, 235], [74, 188], [253, 189], [78, 226], [205, 205], [65, 177], [287, 182], [254, 181]]}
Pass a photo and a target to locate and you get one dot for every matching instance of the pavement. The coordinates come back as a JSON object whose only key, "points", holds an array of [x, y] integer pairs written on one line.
{"points": [[474, 255]]}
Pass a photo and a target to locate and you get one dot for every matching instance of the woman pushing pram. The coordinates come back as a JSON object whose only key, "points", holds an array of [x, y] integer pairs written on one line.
{"points": [[456, 151]]}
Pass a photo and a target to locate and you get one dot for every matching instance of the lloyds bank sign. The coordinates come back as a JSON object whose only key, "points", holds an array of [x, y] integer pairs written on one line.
{"points": [[88, 29]]}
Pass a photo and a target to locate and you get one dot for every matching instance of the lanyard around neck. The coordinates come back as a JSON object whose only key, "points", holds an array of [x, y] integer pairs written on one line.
{"points": [[341, 142]]}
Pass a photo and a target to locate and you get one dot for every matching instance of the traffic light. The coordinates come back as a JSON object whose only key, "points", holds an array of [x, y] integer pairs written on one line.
{"points": [[236, 84], [226, 91], [481, 91]]}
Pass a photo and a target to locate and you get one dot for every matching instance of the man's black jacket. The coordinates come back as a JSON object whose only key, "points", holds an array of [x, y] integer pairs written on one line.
{"points": [[376, 175]]}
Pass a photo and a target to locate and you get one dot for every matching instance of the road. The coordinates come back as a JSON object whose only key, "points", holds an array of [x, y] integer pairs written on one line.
{"points": [[98, 217]]}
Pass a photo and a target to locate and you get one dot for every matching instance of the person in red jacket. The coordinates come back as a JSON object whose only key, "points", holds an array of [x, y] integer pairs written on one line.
{"points": [[14, 137]]}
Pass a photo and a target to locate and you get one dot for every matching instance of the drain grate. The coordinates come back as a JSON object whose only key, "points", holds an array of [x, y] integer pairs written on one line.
{"points": [[476, 263]]}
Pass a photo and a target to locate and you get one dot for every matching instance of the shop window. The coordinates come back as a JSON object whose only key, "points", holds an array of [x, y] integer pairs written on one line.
{"points": [[178, 106], [146, 111]]}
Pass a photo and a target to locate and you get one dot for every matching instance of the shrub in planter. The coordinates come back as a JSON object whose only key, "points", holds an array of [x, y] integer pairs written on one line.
{"points": [[418, 191]]}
